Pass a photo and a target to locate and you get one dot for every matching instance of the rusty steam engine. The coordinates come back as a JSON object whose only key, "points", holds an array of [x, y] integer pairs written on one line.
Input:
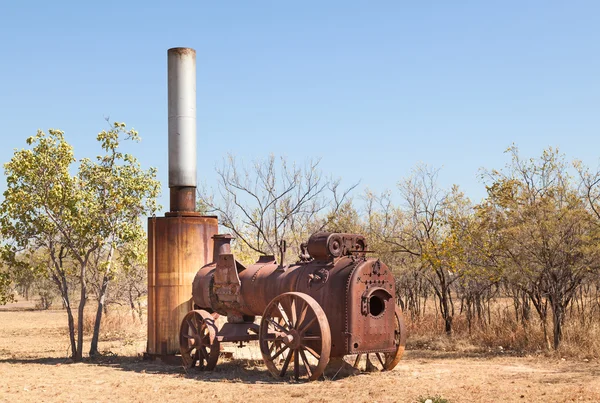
{"points": [[334, 302]]}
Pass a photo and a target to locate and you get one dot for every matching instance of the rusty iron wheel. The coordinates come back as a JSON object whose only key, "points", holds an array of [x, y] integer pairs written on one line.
{"points": [[374, 362], [198, 341], [392, 359], [295, 335]]}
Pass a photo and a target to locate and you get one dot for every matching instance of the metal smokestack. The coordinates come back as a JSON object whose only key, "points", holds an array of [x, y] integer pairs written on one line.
{"points": [[181, 67], [180, 242]]}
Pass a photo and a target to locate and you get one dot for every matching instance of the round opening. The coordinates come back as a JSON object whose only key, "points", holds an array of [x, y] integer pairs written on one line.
{"points": [[335, 246], [376, 305], [355, 345]]}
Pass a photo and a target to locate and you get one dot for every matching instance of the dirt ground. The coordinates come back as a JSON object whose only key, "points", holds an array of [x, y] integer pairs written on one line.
{"points": [[33, 368]]}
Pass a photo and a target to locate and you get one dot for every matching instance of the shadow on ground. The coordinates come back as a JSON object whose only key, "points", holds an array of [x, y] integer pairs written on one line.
{"points": [[248, 371], [239, 370]]}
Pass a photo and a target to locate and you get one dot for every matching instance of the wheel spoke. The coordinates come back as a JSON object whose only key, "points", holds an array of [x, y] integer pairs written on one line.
{"points": [[306, 365], [294, 313], [273, 337], [191, 325], [273, 344], [308, 325], [197, 325], [380, 360], [302, 315], [284, 314], [285, 364], [277, 325], [279, 352], [313, 352], [204, 352], [311, 338], [296, 365], [357, 360]]}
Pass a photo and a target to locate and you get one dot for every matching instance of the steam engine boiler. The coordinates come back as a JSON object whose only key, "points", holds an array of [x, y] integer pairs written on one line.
{"points": [[334, 302]]}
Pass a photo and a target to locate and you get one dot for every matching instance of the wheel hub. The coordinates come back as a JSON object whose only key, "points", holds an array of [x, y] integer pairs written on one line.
{"points": [[292, 339]]}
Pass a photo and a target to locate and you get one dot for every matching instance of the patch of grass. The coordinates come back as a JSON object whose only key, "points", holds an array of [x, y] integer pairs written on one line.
{"points": [[432, 399]]}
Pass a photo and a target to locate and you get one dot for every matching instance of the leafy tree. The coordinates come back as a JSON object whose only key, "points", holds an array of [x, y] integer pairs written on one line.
{"points": [[71, 217], [39, 210], [431, 234], [547, 242], [480, 280], [120, 192]]}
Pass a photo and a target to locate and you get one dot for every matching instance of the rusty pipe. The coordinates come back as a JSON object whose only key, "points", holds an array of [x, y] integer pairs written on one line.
{"points": [[181, 66]]}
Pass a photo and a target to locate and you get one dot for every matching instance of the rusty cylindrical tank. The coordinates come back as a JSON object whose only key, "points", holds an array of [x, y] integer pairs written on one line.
{"points": [[177, 247]]}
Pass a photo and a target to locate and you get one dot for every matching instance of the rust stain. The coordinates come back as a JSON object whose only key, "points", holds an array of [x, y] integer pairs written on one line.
{"points": [[183, 51]]}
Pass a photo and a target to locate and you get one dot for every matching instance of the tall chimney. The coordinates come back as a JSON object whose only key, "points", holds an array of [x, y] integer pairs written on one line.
{"points": [[180, 242], [182, 128]]}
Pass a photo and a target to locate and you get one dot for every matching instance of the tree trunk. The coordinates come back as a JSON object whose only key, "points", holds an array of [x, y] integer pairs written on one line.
{"points": [[139, 310], [58, 275], [64, 291], [132, 305], [448, 325], [526, 310], [546, 337], [99, 311], [445, 311], [469, 314], [101, 302], [447, 308], [557, 316], [83, 297], [71, 329]]}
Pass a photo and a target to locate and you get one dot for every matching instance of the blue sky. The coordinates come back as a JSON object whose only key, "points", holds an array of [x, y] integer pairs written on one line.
{"points": [[371, 87]]}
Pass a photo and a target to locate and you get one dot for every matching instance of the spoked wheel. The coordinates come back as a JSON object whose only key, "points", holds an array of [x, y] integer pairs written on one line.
{"points": [[198, 341], [295, 336], [373, 362]]}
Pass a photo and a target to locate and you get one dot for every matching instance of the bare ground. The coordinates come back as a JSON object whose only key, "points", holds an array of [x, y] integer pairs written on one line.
{"points": [[33, 368]]}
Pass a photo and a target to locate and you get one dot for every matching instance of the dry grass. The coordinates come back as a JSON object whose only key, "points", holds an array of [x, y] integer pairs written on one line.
{"points": [[505, 335], [118, 324], [581, 341], [33, 368]]}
